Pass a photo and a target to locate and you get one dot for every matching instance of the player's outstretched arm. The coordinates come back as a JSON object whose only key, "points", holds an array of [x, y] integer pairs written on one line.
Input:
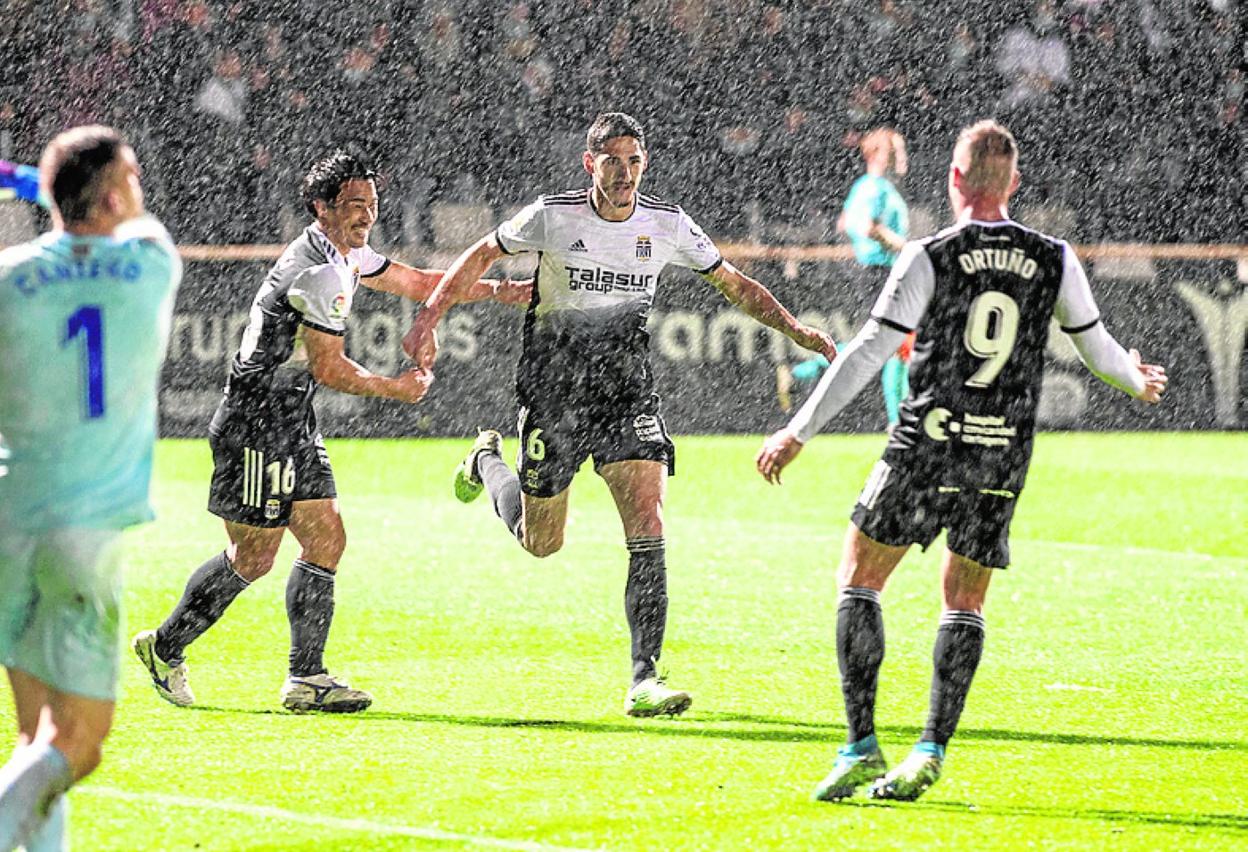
{"points": [[1080, 319], [331, 367], [421, 343], [1113, 365], [419, 284], [505, 290], [757, 301]]}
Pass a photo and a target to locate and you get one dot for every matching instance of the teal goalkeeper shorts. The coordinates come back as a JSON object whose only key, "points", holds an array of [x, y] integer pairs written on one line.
{"points": [[60, 608]]}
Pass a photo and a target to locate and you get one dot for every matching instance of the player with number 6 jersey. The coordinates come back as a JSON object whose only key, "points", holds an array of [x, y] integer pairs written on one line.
{"points": [[980, 296], [584, 382]]}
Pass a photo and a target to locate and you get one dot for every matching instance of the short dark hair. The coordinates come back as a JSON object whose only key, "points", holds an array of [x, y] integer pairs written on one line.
{"points": [[325, 179], [72, 166], [609, 125]]}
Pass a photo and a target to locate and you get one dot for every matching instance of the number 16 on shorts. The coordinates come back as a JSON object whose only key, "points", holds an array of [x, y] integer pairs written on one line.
{"points": [[278, 476]]}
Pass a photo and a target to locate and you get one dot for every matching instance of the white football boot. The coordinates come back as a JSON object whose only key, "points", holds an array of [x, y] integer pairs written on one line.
{"points": [[653, 697], [170, 682], [322, 693]]}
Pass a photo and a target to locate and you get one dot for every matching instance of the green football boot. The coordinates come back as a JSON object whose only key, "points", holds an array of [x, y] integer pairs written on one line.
{"points": [[856, 764], [468, 484], [911, 778]]}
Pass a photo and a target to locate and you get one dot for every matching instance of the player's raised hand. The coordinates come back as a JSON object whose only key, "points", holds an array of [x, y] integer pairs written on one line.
{"points": [[421, 342], [1155, 379], [412, 385], [817, 340], [777, 451]]}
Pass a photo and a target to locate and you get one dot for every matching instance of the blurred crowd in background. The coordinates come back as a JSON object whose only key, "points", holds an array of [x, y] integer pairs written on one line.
{"points": [[1129, 112]]}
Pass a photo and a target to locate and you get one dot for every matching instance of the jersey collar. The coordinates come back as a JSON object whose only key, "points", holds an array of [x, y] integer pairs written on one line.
{"points": [[318, 238]]}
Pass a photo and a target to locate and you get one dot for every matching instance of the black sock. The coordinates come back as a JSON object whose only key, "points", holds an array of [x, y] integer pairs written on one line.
{"points": [[645, 602], [859, 651], [310, 608], [959, 645], [211, 589], [503, 486]]}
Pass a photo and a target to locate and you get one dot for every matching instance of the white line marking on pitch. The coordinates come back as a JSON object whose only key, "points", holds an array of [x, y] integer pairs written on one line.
{"points": [[359, 825], [1130, 550]]}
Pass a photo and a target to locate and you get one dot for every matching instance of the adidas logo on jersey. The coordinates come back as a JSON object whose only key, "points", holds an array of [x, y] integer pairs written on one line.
{"points": [[579, 245]]}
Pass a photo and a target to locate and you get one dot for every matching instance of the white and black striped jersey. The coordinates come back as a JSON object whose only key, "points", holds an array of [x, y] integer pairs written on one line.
{"points": [[980, 296], [312, 284], [585, 338]]}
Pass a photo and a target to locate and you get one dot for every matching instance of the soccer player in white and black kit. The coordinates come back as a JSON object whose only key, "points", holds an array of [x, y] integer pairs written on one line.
{"points": [[980, 295], [271, 471], [584, 380]]}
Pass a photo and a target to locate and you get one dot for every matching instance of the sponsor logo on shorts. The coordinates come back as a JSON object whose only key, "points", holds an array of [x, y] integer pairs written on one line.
{"points": [[272, 509], [648, 427]]}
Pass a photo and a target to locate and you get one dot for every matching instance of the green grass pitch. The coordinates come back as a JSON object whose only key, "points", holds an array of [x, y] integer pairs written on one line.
{"points": [[1110, 710]]}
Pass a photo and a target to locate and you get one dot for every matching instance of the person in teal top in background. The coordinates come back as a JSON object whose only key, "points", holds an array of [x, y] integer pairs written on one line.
{"points": [[85, 312], [876, 220]]}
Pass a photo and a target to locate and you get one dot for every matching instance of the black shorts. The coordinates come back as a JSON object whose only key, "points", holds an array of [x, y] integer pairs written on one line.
{"points": [[554, 442], [899, 507], [258, 473]]}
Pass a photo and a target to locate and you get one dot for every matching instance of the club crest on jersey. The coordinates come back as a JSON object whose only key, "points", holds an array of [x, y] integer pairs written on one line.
{"points": [[644, 247], [272, 509]]}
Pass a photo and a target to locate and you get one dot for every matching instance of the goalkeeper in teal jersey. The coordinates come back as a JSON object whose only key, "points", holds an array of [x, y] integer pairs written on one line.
{"points": [[876, 220], [85, 312]]}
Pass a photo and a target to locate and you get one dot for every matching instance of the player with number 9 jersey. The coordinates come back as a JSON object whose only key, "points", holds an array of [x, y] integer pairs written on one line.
{"points": [[980, 296]]}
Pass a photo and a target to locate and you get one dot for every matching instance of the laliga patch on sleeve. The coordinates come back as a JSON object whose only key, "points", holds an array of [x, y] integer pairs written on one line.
{"points": [[339, 307]]}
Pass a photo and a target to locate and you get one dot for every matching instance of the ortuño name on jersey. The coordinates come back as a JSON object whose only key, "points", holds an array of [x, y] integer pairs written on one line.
{"points": [[999, 260]]}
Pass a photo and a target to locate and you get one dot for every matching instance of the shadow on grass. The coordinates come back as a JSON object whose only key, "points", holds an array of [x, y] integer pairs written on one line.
{"points": [[770, 729], [1232, 822]]}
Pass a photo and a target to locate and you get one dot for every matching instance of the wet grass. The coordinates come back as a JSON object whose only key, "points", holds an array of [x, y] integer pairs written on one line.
{"points": [[1108, 712]]}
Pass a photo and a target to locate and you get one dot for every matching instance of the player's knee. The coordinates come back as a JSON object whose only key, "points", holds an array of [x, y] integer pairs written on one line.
{"points": [[542, 545], [82, 745], [249, 564], [88, 759], [647, 524], [326, 550]]}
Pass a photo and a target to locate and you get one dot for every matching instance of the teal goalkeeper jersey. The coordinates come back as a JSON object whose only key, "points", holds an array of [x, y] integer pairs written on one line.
{"points": [[84, 322], [874, 199]]}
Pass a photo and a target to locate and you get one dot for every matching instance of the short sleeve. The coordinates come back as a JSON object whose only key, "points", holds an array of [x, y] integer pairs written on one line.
{"points": [[694, 249], [526, 231], [372, 263], [909, 288], [322, 297], [860, 208], [1075, 308]]}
